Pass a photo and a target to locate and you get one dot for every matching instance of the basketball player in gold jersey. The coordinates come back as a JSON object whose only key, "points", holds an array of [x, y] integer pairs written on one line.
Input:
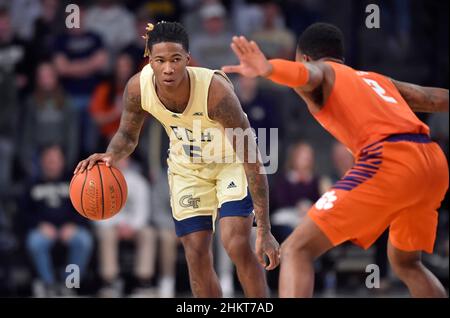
{"points": [[196, 106]]}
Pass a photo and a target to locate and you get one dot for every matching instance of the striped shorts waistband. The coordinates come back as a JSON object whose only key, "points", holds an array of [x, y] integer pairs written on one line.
{"points": [[419, 138]]}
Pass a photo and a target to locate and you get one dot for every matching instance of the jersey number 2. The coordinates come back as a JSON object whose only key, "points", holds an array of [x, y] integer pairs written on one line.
{"points": [[380, 90]]}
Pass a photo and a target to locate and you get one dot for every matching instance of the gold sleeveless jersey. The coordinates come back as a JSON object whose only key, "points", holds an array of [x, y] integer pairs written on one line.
{"points": [[203, 171], [195, 139]]}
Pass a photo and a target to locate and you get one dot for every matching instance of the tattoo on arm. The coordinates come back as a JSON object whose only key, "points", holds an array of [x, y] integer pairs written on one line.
{"points": [[228, 112], [423, 99], [126, 138]]}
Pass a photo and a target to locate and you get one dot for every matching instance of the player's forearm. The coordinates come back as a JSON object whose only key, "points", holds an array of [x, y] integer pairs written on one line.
{"points": [[288, 73], [259, 190], [126, 139], [122, 145]]}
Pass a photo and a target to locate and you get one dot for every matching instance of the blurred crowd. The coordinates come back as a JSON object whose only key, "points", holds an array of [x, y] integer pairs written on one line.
{"points": [[61, 100]]}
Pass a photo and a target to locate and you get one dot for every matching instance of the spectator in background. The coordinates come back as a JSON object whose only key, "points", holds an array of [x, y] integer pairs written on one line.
{"points": [[50, 217], [106, 103], [191, 18], [247, 17], [259, 105], [136, 48], [163, 224], [113, 23], [80, 60], [211, 48], [161, 217], [293, 193], [165, 10], [47, 26], [8, 128], [49, 119], [131, 224], [300, 14], [8, 246], [15, 55], [23, 15], [274, 39], [296, 190]]}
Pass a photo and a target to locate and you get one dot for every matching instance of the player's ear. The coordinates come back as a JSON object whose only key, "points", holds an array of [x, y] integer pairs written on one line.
{"points": [[188, 58], [150, 61]]}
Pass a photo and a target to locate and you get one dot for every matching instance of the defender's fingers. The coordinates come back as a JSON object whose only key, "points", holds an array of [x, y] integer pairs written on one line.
{"points": [[237, 50], [247, 47], [240, 42], [254, 47]]}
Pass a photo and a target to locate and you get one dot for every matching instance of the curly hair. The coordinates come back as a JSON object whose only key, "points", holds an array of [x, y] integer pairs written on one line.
{"points": [[165, 32]]}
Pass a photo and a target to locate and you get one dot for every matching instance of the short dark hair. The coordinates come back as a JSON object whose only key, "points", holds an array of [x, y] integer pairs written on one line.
{"points": [[168, 32], [321, 40]]}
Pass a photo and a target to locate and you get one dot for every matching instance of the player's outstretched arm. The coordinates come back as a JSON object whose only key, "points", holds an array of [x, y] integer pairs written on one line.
{"points": [[126, 138], [253, 63], [423, 99], [224, 107]]}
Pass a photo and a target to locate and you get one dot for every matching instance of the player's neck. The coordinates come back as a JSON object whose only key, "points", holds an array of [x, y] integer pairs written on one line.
{"points": [[175, 97]]}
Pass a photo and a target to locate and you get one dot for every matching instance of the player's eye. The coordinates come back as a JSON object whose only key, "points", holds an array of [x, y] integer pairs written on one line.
{"points": [[176, 60]]}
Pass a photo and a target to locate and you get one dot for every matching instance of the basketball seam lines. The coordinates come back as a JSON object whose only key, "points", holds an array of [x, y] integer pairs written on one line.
{"points": [[82, 190], [103, 199], [120, 188]]}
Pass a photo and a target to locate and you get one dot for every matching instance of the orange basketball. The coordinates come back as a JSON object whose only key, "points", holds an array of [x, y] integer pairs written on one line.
{"points": [[99, 193]]}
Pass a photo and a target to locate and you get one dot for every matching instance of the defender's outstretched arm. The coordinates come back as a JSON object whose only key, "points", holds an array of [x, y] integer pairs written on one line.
{"points": [[423, 99], [253, 63]]}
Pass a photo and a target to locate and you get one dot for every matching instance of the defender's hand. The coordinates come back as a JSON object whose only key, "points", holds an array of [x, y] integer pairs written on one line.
{"points": [[92, 160], [253, 63], [266, 244]]}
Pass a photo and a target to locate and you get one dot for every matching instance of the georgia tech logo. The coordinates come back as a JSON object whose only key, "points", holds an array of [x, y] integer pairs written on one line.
{"points": [[187, 201]]}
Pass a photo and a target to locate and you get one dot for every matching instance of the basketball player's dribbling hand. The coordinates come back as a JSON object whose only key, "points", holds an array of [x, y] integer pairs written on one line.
{"points": [[89, 162], [252, 61], [266, 244]]}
